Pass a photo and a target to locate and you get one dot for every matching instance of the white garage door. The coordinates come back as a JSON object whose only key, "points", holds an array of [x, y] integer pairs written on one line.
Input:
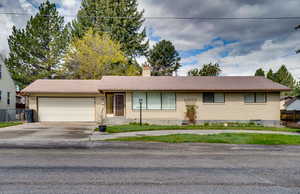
{"points": [[66, 109]]}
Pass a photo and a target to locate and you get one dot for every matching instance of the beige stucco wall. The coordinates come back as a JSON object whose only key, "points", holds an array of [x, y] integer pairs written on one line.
{"points": [[7, 85], [234, 108]]}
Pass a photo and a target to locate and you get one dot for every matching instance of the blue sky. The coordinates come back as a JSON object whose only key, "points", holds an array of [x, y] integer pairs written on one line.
{"points": [[240, 47]]}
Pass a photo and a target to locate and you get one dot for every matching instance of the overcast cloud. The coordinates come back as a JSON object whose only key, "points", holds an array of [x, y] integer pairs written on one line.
{"points": [[240, 47]]}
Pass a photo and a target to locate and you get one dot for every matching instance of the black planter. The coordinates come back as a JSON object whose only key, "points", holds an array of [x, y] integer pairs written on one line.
{"points": [[102, 128]]}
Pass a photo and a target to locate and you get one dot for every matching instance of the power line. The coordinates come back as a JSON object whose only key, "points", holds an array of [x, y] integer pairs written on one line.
{"points": [[172, 18]]}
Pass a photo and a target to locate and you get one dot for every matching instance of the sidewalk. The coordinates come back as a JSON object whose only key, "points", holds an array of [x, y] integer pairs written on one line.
{"points": [[98, 136], [96, 139]]}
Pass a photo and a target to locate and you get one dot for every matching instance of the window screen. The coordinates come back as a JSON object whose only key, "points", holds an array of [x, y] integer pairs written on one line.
{"points": [[136, 103], [249, 98], [154, 100], [219, 98], [260, 97], [168, 101], [208, 97], [255, 97], [211, 97]]}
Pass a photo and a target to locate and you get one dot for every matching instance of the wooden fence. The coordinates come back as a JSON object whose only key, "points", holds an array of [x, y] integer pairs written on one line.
{"points": [[293, 116]]}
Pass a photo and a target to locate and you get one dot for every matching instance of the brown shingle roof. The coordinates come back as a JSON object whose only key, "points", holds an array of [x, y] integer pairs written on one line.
{"points": [[63, 86], [135, 83], [204, 83]]}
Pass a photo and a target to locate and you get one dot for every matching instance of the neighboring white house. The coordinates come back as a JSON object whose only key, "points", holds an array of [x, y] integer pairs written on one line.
{"points": [[7, 93]]}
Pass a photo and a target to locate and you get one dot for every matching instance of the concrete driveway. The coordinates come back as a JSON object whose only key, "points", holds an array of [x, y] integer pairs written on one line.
{"points": [[48, 131]]}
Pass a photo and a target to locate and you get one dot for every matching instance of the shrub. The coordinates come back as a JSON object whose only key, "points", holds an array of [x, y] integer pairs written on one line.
{"points": [[191, 113]]}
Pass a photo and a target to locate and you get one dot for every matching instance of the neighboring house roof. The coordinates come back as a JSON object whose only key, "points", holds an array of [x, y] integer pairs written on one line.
{"points": [[191, 83], [63, 86], [156, 83], [290, 101]]}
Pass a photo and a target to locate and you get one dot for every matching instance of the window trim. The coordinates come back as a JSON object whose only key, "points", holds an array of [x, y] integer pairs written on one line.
{"points": [[161, 96], [214, 102], [255, 100]]}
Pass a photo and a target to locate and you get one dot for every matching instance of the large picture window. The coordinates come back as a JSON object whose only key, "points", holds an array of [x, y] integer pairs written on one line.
{"points": [[212, 97], [258, 97], [154, 100]]}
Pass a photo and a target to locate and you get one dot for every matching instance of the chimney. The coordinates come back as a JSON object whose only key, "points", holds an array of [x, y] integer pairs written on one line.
{"points": [[146, 70]]}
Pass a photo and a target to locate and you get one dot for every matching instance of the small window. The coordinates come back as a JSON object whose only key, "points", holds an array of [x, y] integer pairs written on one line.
{"points": [[260, 97], [255, 97], [211, 97], [8, 98]]}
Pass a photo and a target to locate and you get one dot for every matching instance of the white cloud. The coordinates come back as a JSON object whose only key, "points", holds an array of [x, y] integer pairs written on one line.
{"points": [[272, 54]]}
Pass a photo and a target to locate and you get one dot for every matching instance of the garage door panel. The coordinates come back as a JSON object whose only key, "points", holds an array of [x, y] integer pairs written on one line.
{"points": [[66, 109]]}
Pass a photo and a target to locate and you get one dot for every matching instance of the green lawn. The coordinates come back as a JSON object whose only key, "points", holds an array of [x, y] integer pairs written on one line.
{"points": [[8, 124], [228, 138], [136, 127]]}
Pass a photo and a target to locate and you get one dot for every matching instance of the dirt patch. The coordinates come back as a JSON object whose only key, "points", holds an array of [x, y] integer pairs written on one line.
{"points": [[15, 134]]}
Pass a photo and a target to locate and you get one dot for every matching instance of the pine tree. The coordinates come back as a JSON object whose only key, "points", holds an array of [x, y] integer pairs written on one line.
{"points": [[284, 77], [121, 19], [260, 72], [37, 50], [206, 70], [270, 75], [163, 58]]}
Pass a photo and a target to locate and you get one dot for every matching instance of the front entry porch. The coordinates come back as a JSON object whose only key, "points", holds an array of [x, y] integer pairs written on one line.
{"points": [[115, 105]]}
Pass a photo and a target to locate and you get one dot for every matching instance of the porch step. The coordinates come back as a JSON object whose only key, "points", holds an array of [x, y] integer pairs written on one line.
{"points": [[115, 121]]}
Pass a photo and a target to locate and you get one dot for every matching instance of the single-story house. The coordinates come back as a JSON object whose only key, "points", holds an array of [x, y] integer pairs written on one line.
{"points": [[293, 103], [116, 99]]}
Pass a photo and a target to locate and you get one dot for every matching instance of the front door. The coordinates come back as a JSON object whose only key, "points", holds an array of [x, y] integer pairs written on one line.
{"points": [[119, 102]]}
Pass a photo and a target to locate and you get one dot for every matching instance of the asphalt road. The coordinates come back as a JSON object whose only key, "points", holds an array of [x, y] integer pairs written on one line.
{"points": [[152, 168]]}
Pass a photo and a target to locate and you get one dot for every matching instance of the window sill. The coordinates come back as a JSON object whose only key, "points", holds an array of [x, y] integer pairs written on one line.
{"points": [[154, 110], [213, 103], [255, 103]]}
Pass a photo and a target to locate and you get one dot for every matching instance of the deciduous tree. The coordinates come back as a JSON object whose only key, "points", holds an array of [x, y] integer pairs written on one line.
{"points": [[95, 55]]}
